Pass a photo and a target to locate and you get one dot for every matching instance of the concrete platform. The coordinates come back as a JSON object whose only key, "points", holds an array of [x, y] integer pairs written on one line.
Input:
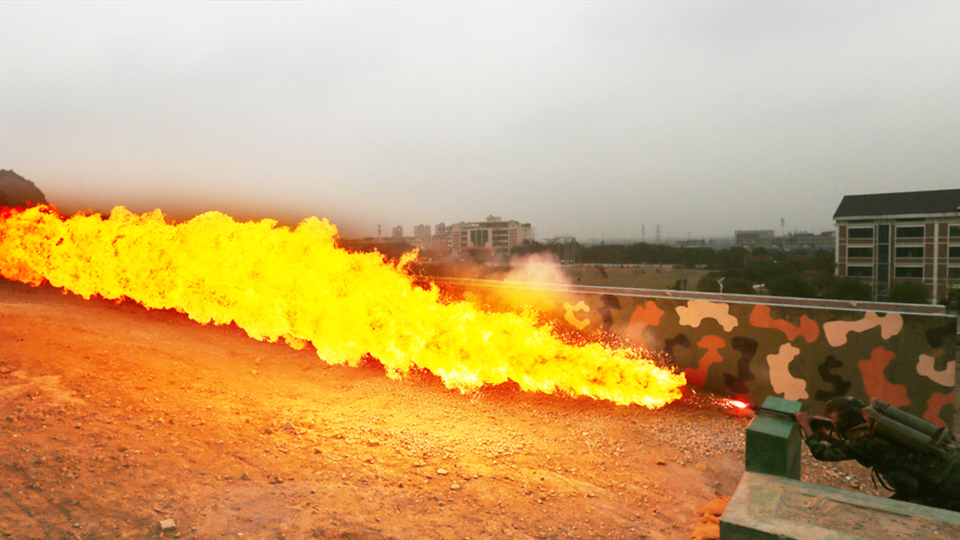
{"points": [[766, 507]]}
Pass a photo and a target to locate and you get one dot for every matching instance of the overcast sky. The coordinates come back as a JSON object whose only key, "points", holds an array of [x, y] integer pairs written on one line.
{"points": [[588, 119]]}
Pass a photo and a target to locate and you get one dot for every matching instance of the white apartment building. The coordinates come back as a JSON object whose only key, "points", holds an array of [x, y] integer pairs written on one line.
{"points": [[488, 238], [912, 236]]}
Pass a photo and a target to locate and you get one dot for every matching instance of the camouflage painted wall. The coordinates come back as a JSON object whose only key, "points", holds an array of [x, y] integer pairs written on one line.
{"points": [[753, 347]]}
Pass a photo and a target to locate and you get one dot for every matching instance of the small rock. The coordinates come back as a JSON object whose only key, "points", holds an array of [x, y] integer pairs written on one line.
{"points": [[167, 525], [454, 487], [268, 431], [419, 464], [288, 426], [659, 461], [442, 472], [373, 442], [244, 476]]}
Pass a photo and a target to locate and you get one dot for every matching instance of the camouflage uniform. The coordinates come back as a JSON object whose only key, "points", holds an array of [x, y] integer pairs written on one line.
{"points": [[922, 477]]}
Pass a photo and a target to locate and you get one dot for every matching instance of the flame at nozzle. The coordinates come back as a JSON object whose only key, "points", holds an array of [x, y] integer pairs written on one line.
{"points": [[738, 404], [297, 285]]}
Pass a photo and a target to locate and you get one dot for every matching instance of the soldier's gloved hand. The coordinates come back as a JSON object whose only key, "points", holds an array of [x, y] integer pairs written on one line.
{"points": [[804, 420]]}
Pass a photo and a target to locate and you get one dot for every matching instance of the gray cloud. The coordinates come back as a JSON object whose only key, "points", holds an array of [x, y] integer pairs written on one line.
{"points": [[582, 118]]}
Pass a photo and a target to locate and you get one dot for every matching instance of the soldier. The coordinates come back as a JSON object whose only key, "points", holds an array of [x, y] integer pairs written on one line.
{"points": [[913, 458]]}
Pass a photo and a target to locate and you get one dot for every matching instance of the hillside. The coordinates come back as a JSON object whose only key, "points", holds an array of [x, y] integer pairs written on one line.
{"points": [[16, 190]]}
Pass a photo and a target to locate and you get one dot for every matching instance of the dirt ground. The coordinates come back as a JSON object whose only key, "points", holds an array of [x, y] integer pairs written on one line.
{"points": [[114, 419]]}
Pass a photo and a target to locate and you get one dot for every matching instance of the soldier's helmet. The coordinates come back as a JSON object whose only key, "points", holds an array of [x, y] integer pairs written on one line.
{"points": [[845, 411]]}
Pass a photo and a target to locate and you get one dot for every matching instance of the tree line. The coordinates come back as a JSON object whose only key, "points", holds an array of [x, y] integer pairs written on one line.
{"points": [[798, 273]]}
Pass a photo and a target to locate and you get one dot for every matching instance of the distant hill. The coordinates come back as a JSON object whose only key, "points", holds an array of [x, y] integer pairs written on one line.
{"points": [[16, 190]]}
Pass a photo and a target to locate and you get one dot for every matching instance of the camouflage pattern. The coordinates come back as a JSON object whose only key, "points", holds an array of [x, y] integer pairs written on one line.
{"points": [[755, 346]]}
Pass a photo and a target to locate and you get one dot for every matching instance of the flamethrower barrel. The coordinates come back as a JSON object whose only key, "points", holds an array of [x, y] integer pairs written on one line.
{"points": [[816, 422], [774, 412]]}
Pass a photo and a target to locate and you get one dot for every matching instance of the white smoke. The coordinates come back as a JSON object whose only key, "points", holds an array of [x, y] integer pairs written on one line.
{"points": [[537, 268]]}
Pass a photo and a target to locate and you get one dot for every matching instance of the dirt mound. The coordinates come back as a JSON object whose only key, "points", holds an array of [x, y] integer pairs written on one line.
{"points": [[16, 190]]}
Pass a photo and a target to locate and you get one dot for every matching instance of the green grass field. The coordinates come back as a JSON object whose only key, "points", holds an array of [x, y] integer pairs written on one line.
{"points": [[645, 277]]}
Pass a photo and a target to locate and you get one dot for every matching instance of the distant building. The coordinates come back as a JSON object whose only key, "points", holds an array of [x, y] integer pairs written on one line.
{"points": [[422, 233], [890, 237], [747, 238], [441, 240], [488, 238], [793, 240], [397, 235]]}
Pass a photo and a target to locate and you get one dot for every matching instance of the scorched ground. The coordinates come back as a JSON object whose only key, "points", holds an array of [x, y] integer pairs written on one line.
{"points": [[115, 418]]}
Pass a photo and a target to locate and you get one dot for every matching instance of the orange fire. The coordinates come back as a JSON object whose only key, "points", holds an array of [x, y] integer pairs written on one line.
{"points": [[275, 283]]}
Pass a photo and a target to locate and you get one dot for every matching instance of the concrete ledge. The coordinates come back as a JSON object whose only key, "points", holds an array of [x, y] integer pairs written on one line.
{"points": [[768, 507], [788, 301]]}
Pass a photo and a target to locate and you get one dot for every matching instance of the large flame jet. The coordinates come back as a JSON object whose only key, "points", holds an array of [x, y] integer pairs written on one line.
{"points": [[297, 285]]}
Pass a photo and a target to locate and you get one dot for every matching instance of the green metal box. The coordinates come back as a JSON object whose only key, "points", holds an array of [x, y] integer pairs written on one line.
{"points": [[773, 444]]}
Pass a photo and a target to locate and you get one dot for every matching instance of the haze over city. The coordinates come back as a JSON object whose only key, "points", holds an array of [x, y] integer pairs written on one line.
{"points": [[597, 120]]}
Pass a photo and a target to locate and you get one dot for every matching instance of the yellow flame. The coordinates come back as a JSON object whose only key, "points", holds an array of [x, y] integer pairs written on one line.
{"points": [[297, 285]]}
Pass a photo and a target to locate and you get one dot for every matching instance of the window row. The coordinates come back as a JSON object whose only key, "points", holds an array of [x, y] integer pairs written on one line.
{"points": [[901, 272], [907, 231], [906, 252], [913, 231]]}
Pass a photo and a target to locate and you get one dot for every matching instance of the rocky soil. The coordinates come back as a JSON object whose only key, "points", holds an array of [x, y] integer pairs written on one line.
{"points": [[119, 422]]}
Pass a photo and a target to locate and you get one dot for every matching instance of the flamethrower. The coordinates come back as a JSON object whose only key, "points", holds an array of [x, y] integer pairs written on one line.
{"points": [[814, 423]]}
